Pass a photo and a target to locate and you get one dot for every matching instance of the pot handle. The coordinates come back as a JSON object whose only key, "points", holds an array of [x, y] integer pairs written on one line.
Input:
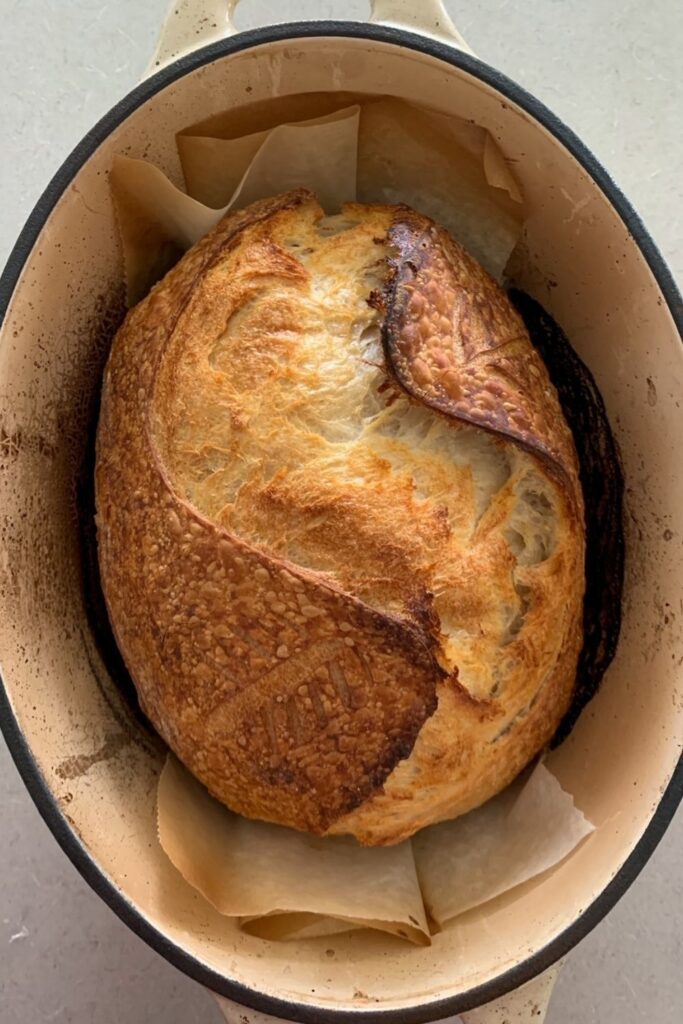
{"points": [[428, 18], [191, 24], [526, 1005]]}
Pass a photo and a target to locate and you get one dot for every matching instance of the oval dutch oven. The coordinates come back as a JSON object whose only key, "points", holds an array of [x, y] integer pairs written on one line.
{"points": [[91, 764]]}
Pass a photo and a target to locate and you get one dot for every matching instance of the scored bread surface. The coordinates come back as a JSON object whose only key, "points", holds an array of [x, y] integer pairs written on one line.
{"points": [[339, 521]]}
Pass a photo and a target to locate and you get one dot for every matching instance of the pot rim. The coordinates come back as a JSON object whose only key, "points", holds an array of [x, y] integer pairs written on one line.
{"points": [[28, 768]]}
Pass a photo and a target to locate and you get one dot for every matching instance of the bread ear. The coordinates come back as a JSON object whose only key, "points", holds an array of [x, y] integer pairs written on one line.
{"points": [[454, 342]]}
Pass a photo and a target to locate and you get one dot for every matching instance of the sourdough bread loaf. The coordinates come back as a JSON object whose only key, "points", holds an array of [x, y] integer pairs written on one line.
{"points": [[339, 518]]}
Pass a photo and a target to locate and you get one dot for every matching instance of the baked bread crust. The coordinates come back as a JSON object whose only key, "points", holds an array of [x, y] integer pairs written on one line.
{"points": [[317, 643]]}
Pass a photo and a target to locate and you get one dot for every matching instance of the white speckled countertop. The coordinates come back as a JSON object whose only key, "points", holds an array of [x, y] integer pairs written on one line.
{"points": [[612, 72]]}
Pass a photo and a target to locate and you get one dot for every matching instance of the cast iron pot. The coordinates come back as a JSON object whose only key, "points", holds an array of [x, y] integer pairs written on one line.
{"points": [[87, 757]]}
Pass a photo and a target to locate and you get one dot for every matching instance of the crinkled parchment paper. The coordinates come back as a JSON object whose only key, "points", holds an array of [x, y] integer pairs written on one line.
{"points": [[382, 150], [252, 870], [285, 884], [281, 883]]}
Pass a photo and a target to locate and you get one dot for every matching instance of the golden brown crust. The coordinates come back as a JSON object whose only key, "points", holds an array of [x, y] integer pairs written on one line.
{"points": [[335, 641]]}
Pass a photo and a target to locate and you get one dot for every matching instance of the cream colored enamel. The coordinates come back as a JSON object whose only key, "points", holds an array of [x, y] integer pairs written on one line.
{"points": [[623, 751], [528, 1003]]}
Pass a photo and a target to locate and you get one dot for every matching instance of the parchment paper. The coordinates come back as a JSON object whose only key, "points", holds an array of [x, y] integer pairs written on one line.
{"points": [[383, 150], [522, 832], [322, 150], [444, 167], [280, 883], [284, 884], [158, 222]]}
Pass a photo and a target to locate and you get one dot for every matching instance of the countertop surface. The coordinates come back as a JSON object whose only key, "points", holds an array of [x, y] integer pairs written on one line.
{"points": [[612, 72]]}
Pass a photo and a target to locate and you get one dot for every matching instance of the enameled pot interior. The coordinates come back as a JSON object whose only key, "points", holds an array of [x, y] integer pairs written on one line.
{"points": [[97, 758]]}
